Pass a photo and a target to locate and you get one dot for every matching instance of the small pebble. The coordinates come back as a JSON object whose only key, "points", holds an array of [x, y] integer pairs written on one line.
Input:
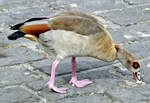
{"points": [[27, 73], [128, 36], [147, 9], [73, 5]]}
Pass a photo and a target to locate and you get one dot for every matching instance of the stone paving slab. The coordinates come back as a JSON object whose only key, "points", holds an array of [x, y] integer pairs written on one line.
{"points": [[19, 55], [85, 99], [128, 16], [140, 49], [23, 4], [17, 95], [14, 17], [137, 32], [15, 75], [90, 6], [136, 95]]}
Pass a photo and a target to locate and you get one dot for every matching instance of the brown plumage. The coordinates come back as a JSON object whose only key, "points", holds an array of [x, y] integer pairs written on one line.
{"points": [[35, 29], [74, 34]]}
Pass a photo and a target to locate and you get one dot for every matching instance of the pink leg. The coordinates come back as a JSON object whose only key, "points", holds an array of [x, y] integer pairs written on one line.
{"points": [[74, 80], [51, 82]]}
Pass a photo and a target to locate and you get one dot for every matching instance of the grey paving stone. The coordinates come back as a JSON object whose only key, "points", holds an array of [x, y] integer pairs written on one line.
{"points": [[128, 16], [17, 95], [19, 55], [90, 6], [14, 75], [130, 33], [85, 99], [140, 49], [17, 16], [23, 4], [136, 95], [37, 85], [83, 63]]}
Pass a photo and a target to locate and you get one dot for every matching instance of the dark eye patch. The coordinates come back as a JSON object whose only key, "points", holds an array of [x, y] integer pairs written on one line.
{"points": [[136, 65]]}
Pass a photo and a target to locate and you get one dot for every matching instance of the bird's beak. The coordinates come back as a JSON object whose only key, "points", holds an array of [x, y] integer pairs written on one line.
{"points": [[137, 76], [31, 37]]}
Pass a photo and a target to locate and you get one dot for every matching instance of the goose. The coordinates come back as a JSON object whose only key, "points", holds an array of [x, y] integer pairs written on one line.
{"points": [[73, 34]]}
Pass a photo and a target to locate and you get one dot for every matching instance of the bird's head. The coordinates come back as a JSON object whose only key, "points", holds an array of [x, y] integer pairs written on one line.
{"points": [[133, 66], [130, 62]]}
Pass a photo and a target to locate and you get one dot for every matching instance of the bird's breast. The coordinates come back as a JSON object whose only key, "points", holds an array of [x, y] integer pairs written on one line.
{"points": [[103, 47], [66, 43]]}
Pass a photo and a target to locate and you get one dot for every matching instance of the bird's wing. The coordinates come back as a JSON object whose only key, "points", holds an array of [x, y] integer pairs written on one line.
{"points": [[75, 13], [72, 13], [78, 24]]}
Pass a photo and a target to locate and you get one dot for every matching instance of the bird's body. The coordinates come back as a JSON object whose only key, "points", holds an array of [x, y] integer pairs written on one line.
{"points": [[65, 44], [74, 34]]}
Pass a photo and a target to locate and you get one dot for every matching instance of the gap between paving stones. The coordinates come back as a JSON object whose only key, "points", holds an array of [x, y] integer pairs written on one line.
{"points": [[129, 6], [42, 99], [30, 68], [22, 85], [122, 25], [107, 96], [102, 93], [40, 74]]}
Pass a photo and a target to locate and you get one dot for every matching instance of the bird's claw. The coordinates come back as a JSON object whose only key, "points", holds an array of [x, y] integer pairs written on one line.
{"points": [[57, 90], [81, 83]]}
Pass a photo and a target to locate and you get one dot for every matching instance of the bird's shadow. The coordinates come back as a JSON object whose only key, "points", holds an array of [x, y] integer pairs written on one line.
{"points": [[92, 75]]}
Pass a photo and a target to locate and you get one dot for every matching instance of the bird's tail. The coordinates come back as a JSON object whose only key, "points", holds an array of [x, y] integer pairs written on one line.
{"points": [[33, 26], [17, 26]]}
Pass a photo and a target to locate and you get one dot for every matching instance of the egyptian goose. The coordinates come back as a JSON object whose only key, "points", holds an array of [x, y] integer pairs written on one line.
{"points": [[74, 34]]}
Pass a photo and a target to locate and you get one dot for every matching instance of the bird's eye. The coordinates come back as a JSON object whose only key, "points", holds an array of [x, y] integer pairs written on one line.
{"points": [[136, 65]]}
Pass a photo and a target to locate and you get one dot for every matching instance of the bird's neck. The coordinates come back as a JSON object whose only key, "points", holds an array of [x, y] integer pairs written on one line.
{"points": [[124, 56]]}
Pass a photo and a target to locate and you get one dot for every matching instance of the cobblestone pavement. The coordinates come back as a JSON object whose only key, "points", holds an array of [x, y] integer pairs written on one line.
{"points": [[25, 71]]}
